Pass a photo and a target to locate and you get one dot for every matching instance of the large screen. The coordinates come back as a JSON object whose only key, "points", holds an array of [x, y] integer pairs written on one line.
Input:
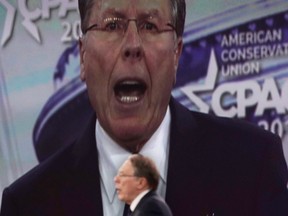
{"points": [[234, 64]]}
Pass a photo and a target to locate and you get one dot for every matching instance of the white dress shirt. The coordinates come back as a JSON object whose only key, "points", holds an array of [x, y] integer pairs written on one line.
{"points": [[112, 156]]}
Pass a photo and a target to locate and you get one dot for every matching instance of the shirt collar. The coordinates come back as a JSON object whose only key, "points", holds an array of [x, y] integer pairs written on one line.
{"points": [[112, 156], [137, 199]]}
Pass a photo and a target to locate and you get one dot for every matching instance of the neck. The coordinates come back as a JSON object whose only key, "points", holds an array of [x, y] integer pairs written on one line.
{"points": [[132, 146]]}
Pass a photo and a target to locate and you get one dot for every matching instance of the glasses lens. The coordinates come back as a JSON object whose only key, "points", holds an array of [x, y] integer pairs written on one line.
{"points": [[114, 28]]}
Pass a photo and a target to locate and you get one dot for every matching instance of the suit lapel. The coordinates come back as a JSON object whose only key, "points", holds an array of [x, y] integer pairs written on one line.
{"points": [[87, 176], [185, 177], [139, 208]]}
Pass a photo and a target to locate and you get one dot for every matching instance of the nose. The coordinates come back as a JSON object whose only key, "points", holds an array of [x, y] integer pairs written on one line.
{"points": [[132, 47], [116, 179]]}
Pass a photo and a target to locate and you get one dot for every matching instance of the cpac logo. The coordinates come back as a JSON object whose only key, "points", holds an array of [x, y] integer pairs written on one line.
{"points": [[32, 15], [264, 95]]}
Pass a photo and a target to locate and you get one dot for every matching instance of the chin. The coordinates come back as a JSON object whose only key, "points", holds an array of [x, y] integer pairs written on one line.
{"points": [[128, 135], [129, 130]]}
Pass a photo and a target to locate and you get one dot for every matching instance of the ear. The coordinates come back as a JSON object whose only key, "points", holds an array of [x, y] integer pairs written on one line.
{"points": [[82, 58], [177, 53], [142, 183]]}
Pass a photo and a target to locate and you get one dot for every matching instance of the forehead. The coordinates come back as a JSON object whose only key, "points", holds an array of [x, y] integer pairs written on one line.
{"points": [[132, 7], [127, 166]]}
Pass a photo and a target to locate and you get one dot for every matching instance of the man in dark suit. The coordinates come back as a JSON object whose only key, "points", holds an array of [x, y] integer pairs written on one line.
{"points": [[136, 184], [215, 166], [208, 166]]}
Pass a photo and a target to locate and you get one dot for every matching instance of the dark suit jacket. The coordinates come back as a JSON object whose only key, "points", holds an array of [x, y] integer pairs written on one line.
{"points": [[216, 165], [152, 205]]}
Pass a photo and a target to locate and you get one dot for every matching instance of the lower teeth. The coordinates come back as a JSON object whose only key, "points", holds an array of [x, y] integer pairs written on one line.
{"points": [[129, 99]]}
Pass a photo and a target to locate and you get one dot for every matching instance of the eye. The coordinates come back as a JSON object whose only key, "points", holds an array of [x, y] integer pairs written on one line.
{"points": [[148, 26], [112, 26]]}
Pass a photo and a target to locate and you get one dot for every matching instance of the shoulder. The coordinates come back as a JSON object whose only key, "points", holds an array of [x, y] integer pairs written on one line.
{"points": [[62, 166], [46, 174], [41, 188], [223, 142], [153, 204], [220, 128]]}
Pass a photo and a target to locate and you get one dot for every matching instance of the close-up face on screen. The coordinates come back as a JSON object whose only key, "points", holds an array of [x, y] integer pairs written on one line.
{"points": [[198, 86]]}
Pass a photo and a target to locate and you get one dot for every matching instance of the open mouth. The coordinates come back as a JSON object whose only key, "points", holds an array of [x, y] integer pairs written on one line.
{"points": [[117, 190], [129, 91]]}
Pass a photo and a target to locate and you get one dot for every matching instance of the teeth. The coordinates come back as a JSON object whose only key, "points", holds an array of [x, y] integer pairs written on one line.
{"points": [[129, 82], [129, 99]]}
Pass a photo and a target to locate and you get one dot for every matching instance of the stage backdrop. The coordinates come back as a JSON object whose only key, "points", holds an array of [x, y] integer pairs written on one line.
{"points": [[234, 64]]}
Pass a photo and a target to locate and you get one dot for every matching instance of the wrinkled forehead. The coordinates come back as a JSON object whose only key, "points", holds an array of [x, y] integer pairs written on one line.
{"points": [[131, 8]]}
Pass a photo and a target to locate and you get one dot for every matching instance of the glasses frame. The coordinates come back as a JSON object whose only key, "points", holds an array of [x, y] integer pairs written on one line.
{"points": [[96, 27], [125, 175]]}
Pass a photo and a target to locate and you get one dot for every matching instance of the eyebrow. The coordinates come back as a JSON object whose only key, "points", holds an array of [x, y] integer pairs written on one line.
{"points": [[121, 14], [113, 12]]}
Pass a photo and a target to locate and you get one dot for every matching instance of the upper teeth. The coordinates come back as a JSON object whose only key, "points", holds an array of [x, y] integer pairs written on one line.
{"points": [[129, 82], [129, 99]]}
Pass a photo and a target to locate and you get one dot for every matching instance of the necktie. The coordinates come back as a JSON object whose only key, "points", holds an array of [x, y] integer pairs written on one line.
{"points": [[127, 211]]}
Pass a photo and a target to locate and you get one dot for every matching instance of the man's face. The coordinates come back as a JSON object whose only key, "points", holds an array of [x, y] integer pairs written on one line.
{"points": [[127, 185], [129, 79]]}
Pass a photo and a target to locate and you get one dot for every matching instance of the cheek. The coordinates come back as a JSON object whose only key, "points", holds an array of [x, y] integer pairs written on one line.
{"points": [[94, 59], [96, 79], [161, 66], [160, 56], [100, 57], [99, 67]]}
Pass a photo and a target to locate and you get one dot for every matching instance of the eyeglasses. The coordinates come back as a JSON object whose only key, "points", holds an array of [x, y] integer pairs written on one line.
{"points": [[114, 28], [125, 175]]}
